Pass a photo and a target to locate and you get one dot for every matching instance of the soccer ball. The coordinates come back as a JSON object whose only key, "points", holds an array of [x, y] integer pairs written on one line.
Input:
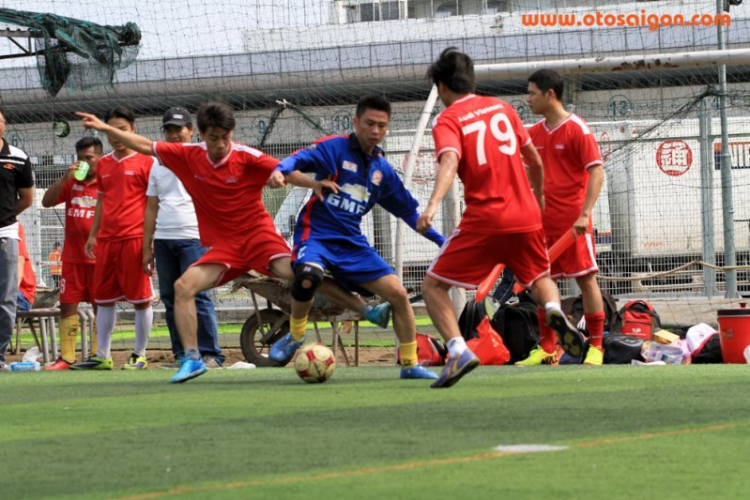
{"points": [[315, 363]]}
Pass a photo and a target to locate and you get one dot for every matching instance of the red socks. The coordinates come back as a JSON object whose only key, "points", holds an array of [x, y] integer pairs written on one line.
{"points": [[595, 327], [547, 338]]}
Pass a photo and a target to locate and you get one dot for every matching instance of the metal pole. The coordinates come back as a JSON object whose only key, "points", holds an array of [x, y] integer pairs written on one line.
{"points": [[727, 205], [707, 198], [609, 64], [383, 241], [451, 218], [411, 161]]}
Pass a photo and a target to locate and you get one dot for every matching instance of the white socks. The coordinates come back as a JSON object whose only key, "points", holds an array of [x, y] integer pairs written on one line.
{"points": [[105, 325], [456, 346], [144, 318], [552, 306]]}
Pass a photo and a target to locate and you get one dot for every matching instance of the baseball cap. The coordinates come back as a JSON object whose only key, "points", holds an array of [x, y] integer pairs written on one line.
{"points": [[177, 116]]}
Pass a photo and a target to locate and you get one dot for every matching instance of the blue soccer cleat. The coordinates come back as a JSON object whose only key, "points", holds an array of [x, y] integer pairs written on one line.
{"points": [[417, 372], [380, 315], [282, 351], [190, 368], [456, 368]]}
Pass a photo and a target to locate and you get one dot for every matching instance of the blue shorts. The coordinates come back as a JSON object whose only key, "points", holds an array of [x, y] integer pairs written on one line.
{"points": [[349, 264]]}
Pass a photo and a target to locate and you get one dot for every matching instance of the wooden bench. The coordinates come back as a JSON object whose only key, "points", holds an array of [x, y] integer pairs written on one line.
{"points": [[46, 318]]}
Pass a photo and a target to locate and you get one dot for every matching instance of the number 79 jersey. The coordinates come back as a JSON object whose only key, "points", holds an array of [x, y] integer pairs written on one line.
{"points": [[487, 135]]}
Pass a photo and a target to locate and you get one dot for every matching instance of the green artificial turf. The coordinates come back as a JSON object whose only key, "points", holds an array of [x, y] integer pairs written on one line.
{"points": [[370, 334], [659, 432]]}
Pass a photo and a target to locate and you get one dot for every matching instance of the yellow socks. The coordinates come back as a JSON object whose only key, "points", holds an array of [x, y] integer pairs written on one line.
{"points": [[408, 354], [298, 327], [68, 336]]}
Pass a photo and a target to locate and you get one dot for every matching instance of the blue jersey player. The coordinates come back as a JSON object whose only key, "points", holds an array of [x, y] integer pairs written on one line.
{"points": [[351, 176]]}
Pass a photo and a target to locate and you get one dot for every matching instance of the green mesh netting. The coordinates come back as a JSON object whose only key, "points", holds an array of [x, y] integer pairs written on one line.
{"points": [[78, 53]]}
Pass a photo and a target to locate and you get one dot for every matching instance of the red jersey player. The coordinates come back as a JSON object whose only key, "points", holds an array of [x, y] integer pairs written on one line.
{"points": [[117, 234], [573, 177], [27, 278], [77, 281], [482, 139], [225, 180]]}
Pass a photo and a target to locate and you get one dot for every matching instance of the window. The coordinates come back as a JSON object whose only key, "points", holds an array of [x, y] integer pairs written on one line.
{"points": [[369, 12], [446, 10], [380, 11], [390, 11], [496, 6]]}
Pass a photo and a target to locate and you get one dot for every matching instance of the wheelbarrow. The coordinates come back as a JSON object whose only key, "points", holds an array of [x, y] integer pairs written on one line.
{"points": [[266, 326]]}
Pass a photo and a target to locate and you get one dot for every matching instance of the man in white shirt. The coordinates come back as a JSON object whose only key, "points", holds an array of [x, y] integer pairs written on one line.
{"points": [[16, 195], [171, 237]]}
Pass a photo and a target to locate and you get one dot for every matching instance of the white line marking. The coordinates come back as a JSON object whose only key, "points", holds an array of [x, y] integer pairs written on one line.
{"points": [[528, 448]]}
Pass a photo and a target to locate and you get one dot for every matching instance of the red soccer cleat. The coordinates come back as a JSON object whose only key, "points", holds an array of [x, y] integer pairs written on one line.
{"points": [[60, 364]]}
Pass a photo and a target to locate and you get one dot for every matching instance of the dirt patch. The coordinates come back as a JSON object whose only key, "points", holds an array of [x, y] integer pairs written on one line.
{"points": [[156, 358], [367, 356]]}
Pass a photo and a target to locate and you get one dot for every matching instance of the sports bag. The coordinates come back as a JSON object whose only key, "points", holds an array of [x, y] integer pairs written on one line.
{"points": [[622, 349], [573, 309], [473, 314], [638, 319], [489, 347], [430, 350], [518, 326]]}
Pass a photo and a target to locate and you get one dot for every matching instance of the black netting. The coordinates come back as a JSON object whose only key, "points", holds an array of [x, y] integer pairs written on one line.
{"points": [[76, 53]]}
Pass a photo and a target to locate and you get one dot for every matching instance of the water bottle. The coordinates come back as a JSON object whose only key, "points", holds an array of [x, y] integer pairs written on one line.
{"points": [[82, 171], [653, 351], [25, 366]]}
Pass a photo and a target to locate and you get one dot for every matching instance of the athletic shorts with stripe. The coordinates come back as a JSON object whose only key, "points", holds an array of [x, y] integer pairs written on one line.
{"points": [[119, 274], [239, 255], [77, 283], [350, 264], [579, 259], [466, 258]]}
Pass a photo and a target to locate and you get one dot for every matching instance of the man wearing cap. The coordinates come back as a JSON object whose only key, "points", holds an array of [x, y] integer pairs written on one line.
{"points": [[171, 237]]}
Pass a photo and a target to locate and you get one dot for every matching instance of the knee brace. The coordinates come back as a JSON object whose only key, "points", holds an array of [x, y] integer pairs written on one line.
{"points": [[313, 275]]}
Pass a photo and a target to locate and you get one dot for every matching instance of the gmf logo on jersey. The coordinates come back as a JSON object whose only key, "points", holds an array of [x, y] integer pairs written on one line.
{"points": [[9, 166], [377, 176], [351, 198], [231, 180]]}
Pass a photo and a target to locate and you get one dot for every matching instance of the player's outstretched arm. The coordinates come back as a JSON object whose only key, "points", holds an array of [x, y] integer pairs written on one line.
{"points": [[297, 178], [400, 202], [446, 172], [133, 141], [431, 234]]}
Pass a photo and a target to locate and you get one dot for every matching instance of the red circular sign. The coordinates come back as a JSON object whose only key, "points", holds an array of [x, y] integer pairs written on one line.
{"points": [[674, 157]]}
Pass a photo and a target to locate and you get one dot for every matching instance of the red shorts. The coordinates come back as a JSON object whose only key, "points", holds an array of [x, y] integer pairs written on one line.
{"points": [[241, 255], [579, 259], [119, 274], [467, 258], [77, 283]]}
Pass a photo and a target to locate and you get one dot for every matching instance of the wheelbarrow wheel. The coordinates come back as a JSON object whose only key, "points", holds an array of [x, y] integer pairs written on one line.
{"points": [[255, 343]]}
